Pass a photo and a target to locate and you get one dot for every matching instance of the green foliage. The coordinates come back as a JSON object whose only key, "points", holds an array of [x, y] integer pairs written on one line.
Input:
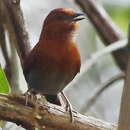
{"points": [[4, 84], [120, 15]]}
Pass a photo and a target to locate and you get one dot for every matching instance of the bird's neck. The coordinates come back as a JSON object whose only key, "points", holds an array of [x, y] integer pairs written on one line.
{"points": [[59, 36]]}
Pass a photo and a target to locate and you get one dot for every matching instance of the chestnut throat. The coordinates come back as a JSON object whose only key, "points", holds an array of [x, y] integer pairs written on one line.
{"points": [[62, 35]]}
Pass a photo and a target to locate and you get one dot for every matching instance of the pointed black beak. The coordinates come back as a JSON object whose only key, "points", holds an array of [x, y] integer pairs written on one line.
{"points": [[78, 17]]}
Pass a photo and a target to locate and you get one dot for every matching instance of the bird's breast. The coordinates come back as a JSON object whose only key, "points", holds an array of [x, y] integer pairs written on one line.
{"points": [[54, 68], [65, 54]]}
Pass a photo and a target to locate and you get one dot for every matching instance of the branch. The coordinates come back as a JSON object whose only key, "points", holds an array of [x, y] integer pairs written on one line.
{"points": [[3, 46], [105, 86], [94, 58], [14, 18], [10, 51], [124, 118], [106, 29], [49, 116]]}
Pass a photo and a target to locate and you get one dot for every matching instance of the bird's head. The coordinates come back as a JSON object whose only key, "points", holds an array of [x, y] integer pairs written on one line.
{"points": [[61, 22]]}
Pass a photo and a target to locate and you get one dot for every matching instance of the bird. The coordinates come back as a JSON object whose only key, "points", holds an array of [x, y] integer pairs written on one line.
{"points": [[55, 60]]}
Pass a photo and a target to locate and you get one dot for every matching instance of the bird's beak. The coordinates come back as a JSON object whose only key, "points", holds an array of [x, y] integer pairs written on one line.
{"points": [[78, 17]]}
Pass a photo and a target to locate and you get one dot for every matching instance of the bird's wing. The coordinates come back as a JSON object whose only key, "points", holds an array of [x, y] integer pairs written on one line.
{"points": [[33, 61]]}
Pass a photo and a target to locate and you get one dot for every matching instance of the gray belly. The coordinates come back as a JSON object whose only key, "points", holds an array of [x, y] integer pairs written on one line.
{"points": [[49, 82]]}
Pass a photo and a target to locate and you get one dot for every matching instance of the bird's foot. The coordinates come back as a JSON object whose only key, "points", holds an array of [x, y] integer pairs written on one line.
{"points": [[68, 107], [29, 96]]}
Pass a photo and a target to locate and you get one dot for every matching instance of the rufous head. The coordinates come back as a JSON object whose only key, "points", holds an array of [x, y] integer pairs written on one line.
{"points": [[61, 23]]}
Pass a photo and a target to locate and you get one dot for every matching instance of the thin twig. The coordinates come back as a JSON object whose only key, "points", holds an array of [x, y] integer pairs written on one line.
{"points": [[95, 58], [3, 46], [103, 87], [13, 11], [8, 27], [106, 29]]}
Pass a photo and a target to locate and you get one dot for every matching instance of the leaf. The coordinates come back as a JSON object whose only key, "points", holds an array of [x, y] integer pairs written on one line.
{"points": [[4, 84]]}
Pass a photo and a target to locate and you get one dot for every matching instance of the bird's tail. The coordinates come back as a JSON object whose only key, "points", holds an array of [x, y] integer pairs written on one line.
{"points": [[53, 99]]}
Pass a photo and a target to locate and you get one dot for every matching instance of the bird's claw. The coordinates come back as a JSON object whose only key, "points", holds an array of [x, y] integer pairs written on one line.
{"points": [[68, 107]]}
